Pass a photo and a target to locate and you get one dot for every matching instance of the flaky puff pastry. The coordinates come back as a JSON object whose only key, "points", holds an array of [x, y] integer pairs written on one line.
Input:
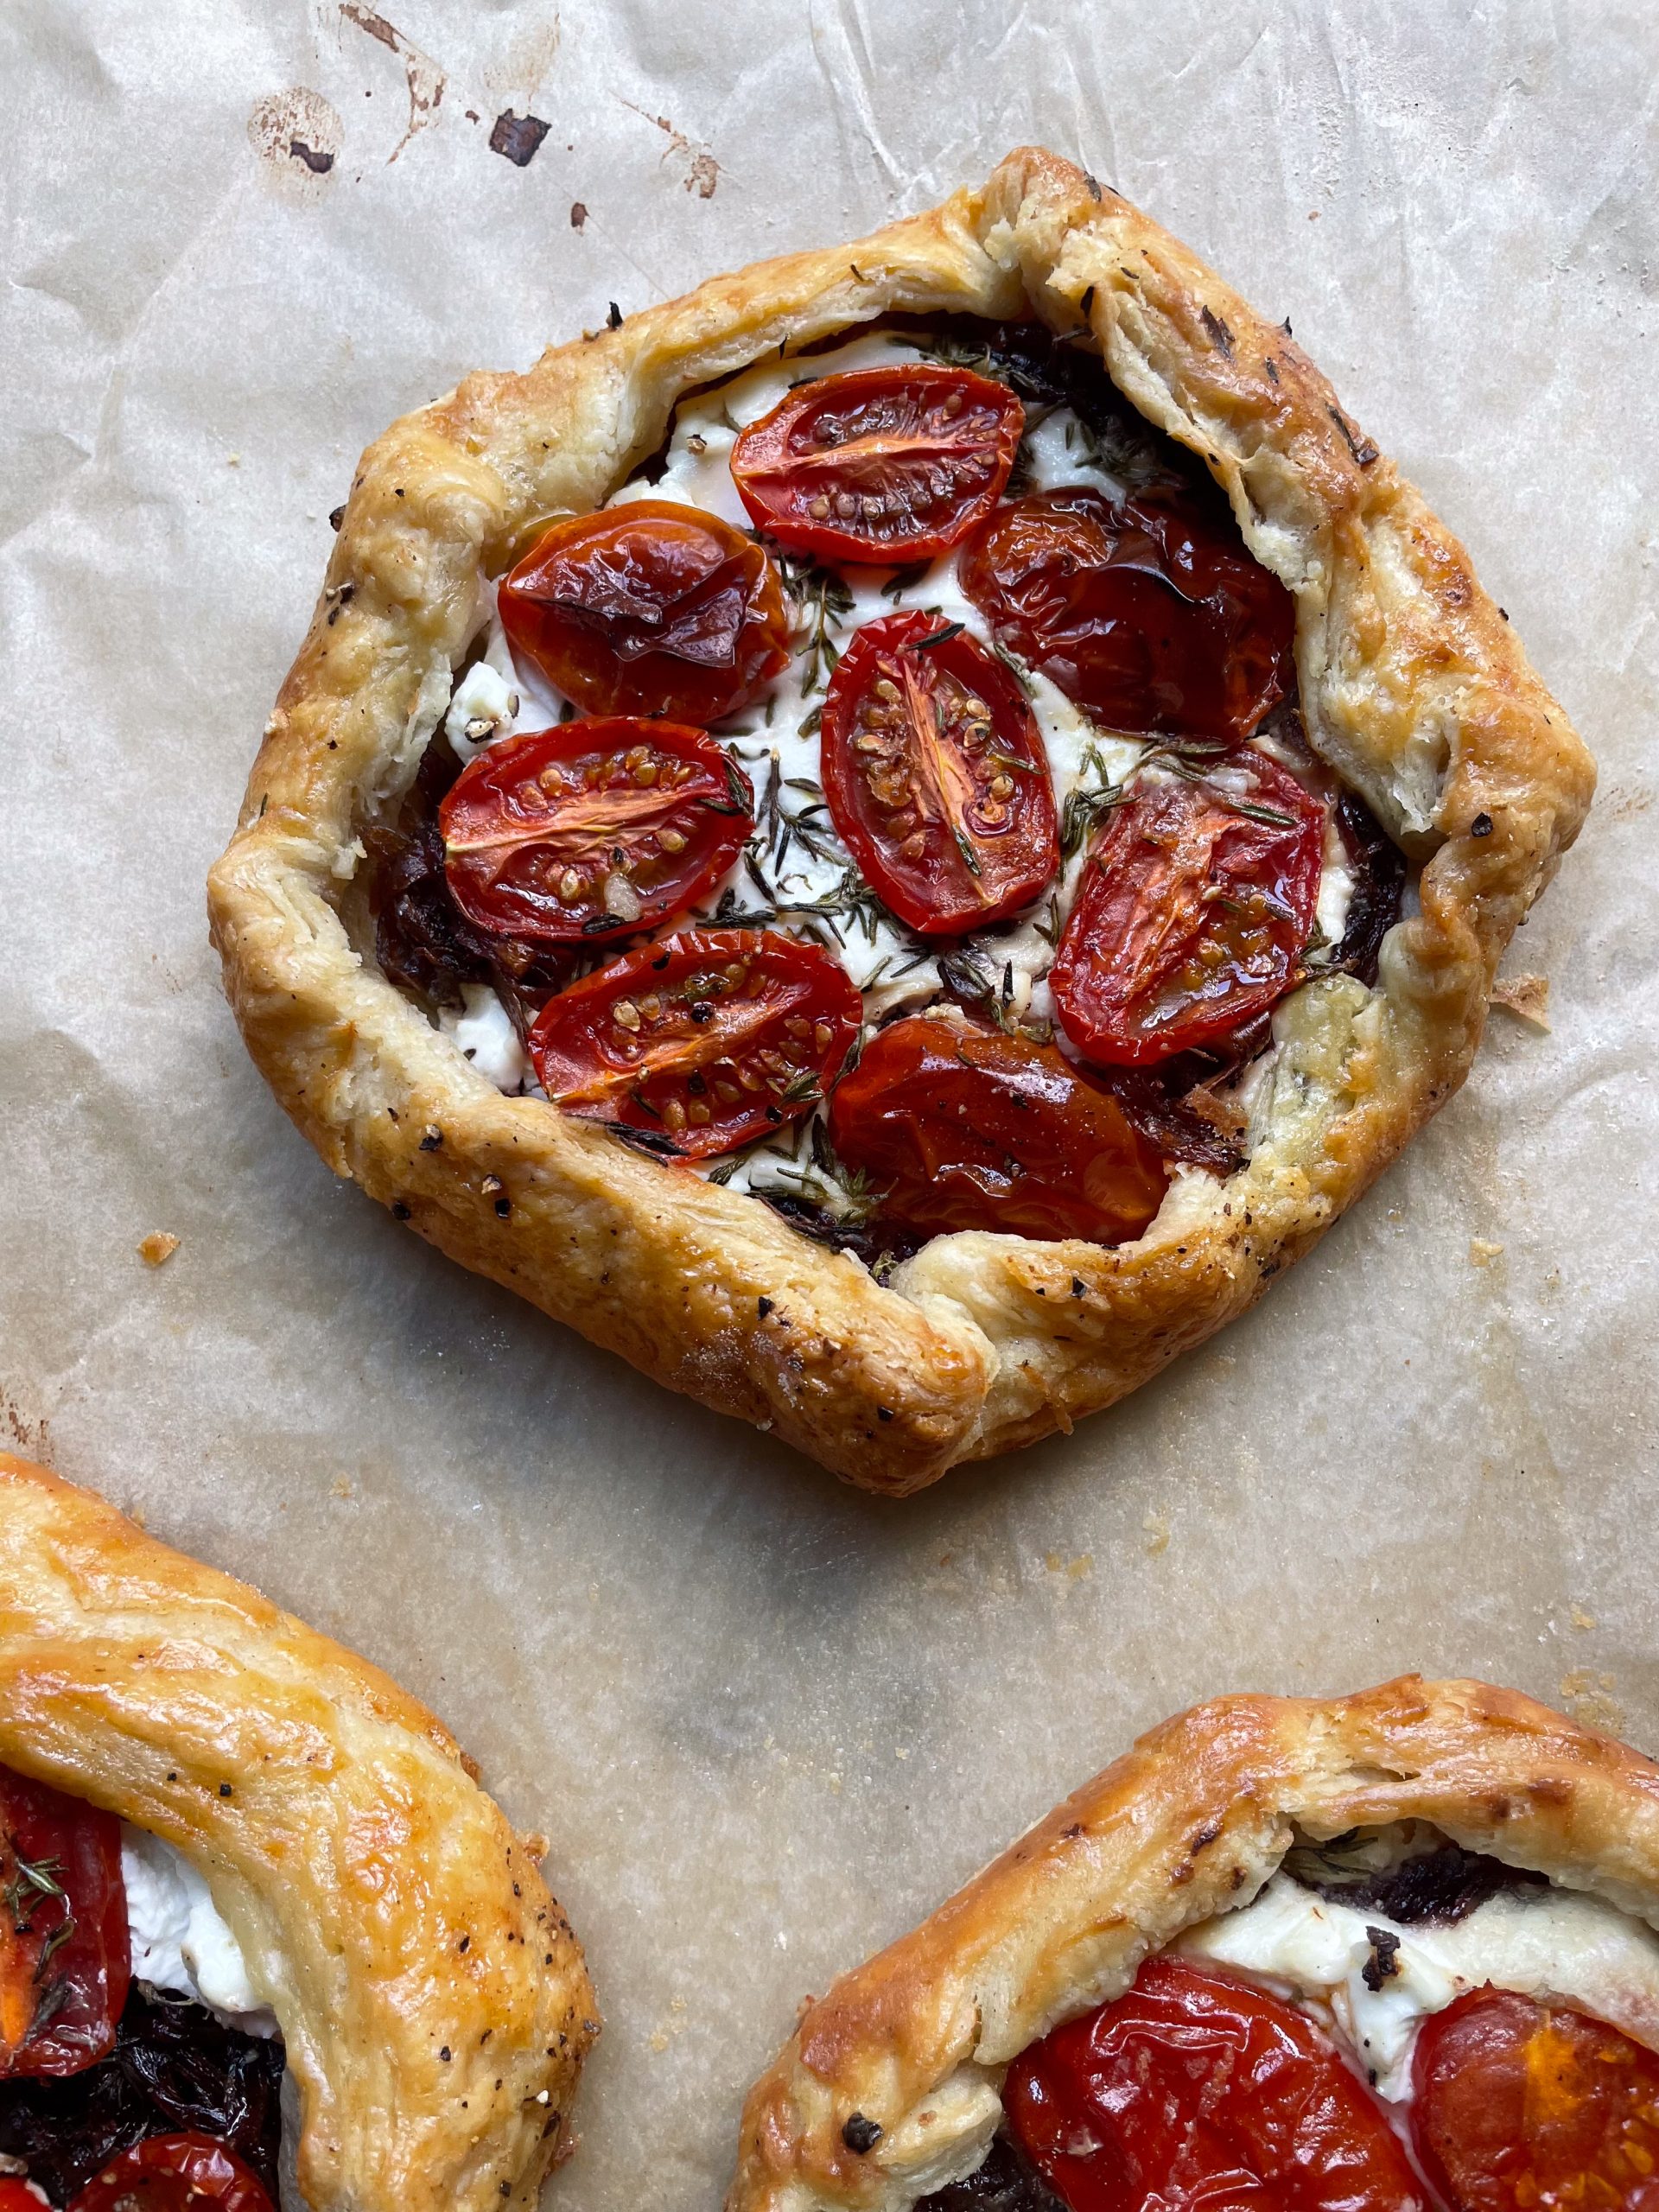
{"points": [[1189, 1824], [1414, 688], [433, 2001]]}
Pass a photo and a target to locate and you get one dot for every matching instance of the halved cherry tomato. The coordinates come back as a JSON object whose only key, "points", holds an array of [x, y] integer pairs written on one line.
{"points": [[1519, 2106], [174, 2173], [703, 1040], [1196, 2091], [936, 776], [64, 1957], [1146, 611], [592, 829], [649, 608], [891, 464], [17, 2196], [1192, 912], [968, 1129]]}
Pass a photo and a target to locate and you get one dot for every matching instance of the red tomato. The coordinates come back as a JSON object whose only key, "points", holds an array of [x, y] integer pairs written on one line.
{"points": [[17, 2196], [967, 1128], [64, 1959], [1520, 2105], [893, 464], [1196, 2092], [1192, 912], [936, 776], [1146, 611], [593, 828], [650, 609], [174, 2173], [704, 1039]]}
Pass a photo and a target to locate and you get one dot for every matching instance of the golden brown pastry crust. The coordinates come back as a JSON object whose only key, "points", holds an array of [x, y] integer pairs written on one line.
{"points": [[1413, 685], [432, 2000], [1190, 1822]]}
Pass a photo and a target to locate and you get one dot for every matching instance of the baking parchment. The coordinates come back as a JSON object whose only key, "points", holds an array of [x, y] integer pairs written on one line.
{"points": [[766, 1721]]}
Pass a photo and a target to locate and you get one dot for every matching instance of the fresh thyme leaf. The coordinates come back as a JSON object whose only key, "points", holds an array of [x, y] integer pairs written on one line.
{"points": [[1081, 810], [723, 1170], [904, 580], [54, 1943], [1014, 668], [825, 599], [1270, 815], [643, 1139], [752, 863], [1015, 767], [937, 637], [1049, 928], [813, 722], [803, 1088]]}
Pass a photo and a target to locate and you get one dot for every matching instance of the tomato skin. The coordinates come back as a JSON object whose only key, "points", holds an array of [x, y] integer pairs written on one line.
{"points": [[1156, 956], [968, 1129], [534, 816], [17, 2196], [1146, 611], [723, 1034], [932, 446], [79, 2001], [1518, 2105], [174, 2173], [1196, 2091], [651, 607], [912, 811]]}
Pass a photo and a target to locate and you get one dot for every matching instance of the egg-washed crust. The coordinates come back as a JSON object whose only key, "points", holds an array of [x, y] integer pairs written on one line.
{"points": [[1413, 685], [1188, 1824], [432, 1999]]}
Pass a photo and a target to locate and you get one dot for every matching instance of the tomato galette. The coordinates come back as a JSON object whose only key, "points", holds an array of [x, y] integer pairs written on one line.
{"points": [[1387, 1953], [893, 838], [230, 1849]]}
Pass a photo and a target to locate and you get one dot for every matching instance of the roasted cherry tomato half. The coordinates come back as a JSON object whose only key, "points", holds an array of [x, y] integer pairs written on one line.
{"points": [[702, 1040], [891, 464], [968, 1129], [650, 609], [174, 2173], [1519, 2106], [1192, 913], [17, 2196], [936, 776], [592, 829], [1146, 611], [1195, 2089], [65, 1958]]}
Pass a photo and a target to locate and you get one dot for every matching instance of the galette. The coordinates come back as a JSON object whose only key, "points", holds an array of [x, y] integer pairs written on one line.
{"points": [[258, 1923], [892, 839], [1387, 1953]]}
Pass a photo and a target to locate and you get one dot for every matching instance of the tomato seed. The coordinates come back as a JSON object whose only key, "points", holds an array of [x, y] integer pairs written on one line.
{"points": [[570, 887], [698, 1114], [674, 1116], [670, 841], [626, 1015]]}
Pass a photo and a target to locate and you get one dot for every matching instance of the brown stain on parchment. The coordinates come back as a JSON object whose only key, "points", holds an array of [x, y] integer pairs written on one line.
{"points": [[298, 136], [424, 77], [702, 171]]}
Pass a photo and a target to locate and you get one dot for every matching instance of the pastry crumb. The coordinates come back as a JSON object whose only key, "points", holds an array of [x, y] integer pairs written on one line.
{"points": [[341, 1487], [158, 1249], [1588, 1697], [1582, 1619], [1157, 1533], [1527, 997], [1482, 1254]]}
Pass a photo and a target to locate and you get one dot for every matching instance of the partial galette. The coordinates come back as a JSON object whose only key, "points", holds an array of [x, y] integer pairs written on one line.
{"points": [[232, 1850], [1387, 1953], [893, 838]]}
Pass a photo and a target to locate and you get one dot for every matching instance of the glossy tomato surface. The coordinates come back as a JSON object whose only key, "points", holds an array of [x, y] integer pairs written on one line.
{"points": [[649, 608], [1146, 611], [701, 1041], [174, 2173], [937, 775], [1192, 913], [17, 2196], [887, 464], [64, 1951], [968, 1128], [1196, 2092], [592, 829], [1520, 2107]]}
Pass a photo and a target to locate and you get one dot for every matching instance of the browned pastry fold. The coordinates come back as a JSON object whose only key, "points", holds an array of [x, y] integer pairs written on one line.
{"points": [[1414, 686], [1193, 1821], [433, 2001]]}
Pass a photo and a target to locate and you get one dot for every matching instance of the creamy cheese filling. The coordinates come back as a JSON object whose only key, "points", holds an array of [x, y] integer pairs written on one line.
{"points": [[796, 864], [180, 1940], [1546, 1943]]}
